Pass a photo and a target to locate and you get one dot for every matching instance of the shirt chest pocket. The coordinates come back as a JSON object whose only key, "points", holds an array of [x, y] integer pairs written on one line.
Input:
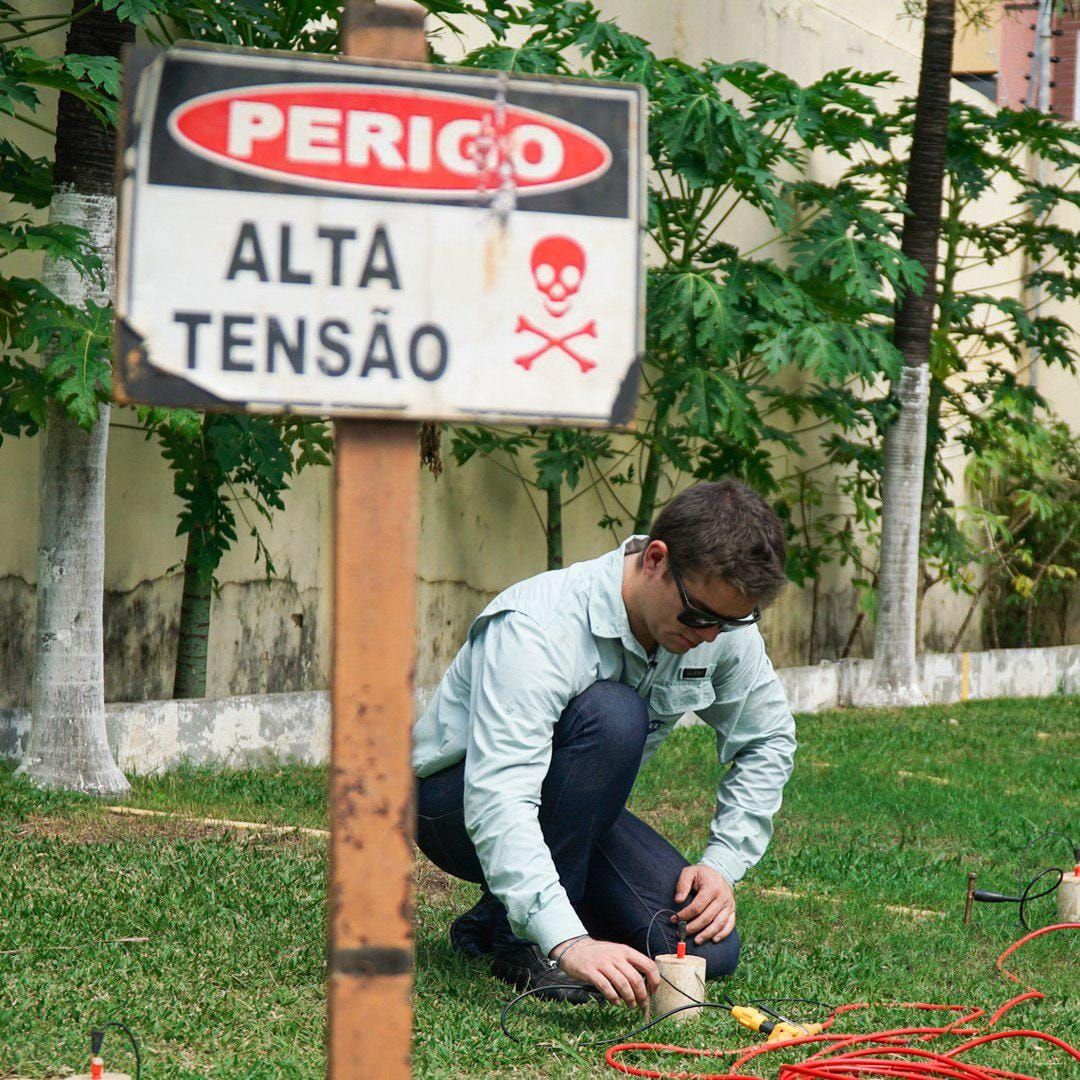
{"points": [[671, 700]]}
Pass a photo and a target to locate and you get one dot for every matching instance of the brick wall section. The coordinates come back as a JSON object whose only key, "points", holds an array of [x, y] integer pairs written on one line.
{"points": [[1063, 73], [1015, 40]]}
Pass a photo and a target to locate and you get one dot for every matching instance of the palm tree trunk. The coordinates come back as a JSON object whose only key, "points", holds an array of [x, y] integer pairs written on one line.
{"points": [[193, 634], [193, 637], [68, 746], [894, 680], [934, 442], [554, 527], [650, 481]]}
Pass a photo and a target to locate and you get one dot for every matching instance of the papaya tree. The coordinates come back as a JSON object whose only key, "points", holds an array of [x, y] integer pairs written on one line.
{"points": [[721, 322], [223, 466]]}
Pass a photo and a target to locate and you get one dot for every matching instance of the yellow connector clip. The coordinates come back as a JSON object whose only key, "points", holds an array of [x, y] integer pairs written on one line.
{"points": [[750, 1017], [773, 1030], [783, 1030]]}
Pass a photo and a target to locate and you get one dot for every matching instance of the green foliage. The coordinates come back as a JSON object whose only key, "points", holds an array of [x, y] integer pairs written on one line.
{"points": [[94, 80], [723, 322], [73, 342], [986, 337], [28, 178], [223, 463], [291, 25], [1025, 480]]}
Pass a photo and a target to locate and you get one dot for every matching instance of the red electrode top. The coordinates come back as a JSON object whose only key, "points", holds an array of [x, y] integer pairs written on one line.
{"points": [[680, 949]]}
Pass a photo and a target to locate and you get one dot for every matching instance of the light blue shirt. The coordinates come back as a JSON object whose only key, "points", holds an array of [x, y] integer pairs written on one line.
{"points": [[544, 641]]}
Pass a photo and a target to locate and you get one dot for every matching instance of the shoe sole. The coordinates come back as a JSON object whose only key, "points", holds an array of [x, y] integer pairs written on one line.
{"points": [[470, 951]]}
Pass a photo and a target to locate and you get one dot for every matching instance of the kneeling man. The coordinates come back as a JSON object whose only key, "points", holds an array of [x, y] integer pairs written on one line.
{"points": [[567, 684]]}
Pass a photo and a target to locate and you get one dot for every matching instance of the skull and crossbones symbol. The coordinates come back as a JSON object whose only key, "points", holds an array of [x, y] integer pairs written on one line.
{"points": [[558, 269]]}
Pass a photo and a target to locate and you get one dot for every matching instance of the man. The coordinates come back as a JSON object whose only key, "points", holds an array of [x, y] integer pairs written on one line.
{"points": [[567, 684]]}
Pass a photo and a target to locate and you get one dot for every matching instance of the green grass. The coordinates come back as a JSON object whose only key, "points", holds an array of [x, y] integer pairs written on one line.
{"points": [[230, 980]]}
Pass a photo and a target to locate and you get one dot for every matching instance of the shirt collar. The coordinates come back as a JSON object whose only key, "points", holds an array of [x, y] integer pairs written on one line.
{"points": [[607, 612]]}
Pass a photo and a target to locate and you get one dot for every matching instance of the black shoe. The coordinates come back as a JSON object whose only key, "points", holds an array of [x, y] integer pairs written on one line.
{"points": [[471, 934], [526, 968]]}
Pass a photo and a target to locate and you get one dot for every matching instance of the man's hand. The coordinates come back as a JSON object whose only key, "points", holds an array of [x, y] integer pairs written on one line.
{"points": [[619, 972], [711, 914]]}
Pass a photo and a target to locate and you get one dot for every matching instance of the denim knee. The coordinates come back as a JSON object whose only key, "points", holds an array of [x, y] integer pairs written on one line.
{"points": [[617, 707], [721, 957], [611, 709]]}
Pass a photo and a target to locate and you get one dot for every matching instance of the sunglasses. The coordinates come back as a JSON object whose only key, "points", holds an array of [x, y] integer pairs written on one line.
{"points": [[703, 619]]}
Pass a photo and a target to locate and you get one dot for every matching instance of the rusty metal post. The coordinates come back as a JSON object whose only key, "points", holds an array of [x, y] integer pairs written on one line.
{"points": [[369, 1007], [970, 897]]}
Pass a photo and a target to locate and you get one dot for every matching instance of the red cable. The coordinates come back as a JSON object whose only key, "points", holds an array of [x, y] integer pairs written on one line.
{"points": [[1023, 941], [890, 1055]]}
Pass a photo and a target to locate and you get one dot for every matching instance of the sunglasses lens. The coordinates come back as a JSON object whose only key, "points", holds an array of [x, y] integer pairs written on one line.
{"points": [[698, 622], [703, 622]]}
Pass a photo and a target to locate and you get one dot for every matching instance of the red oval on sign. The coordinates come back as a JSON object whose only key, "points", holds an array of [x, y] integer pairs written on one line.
{"points": [[387, 139]]}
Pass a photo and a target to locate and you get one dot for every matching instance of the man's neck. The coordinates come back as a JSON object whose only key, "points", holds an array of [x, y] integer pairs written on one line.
{"points": [[630, 586]]}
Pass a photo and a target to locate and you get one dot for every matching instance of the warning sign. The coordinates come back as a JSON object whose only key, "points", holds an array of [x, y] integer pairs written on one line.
{"points": [[324, 237]]}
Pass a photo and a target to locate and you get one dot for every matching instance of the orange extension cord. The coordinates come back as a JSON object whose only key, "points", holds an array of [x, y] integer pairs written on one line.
{"points": [[888, 1053]]}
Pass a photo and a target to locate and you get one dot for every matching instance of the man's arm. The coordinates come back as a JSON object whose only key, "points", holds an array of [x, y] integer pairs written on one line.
{"points": [[520, 686], [755, 732], [521, 683]]}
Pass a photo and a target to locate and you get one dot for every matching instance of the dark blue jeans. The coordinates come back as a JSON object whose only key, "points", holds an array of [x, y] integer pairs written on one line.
{"points": [[616, 870]]}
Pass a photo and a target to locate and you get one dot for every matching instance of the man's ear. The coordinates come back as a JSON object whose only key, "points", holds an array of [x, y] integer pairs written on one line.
{"points": [[655, 556]]}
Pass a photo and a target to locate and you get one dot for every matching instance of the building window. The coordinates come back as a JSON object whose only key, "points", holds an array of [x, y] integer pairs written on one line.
{"points": [[985, 84]]}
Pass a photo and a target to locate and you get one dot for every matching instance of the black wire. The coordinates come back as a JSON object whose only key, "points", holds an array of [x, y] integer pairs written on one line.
{"points": [[727, 1005], [134, 1044], [598, 1042], [1028, 846], [760, 1003], [693, 1004], [1026, 897]]}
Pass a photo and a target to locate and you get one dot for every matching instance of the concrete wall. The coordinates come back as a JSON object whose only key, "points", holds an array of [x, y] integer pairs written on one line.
{"points": [[154, 736], [264, 637], [977, 47], [479, 530]]}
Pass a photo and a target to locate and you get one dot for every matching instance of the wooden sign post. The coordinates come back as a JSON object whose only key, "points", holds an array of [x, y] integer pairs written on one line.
{"points": [[370, 959]]}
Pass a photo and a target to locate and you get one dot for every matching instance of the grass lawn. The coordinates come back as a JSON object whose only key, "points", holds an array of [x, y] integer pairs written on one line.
{"points": [[858, 899]]}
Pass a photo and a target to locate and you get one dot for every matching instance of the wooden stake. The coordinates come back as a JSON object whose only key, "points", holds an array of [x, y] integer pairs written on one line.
{"points": [[371, 782]]}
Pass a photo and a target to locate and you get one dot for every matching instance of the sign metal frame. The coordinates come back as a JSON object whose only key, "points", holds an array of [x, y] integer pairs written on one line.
{"points": [[497, 392]]}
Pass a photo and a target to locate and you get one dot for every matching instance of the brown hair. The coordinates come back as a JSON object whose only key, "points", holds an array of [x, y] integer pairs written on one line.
{"points": [[725, 530]]}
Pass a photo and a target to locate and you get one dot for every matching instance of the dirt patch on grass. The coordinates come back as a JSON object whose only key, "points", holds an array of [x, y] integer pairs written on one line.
{"points": [[112, 829], [431, 882]]}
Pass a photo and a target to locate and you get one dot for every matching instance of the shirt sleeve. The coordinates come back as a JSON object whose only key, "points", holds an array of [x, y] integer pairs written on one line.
{"points": [[755, 734], [519, 689]]}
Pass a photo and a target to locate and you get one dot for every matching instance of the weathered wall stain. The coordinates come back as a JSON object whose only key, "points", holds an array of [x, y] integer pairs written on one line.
{"points": [[256, 646], [446, 608], [269, 637], [17, 618]]}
